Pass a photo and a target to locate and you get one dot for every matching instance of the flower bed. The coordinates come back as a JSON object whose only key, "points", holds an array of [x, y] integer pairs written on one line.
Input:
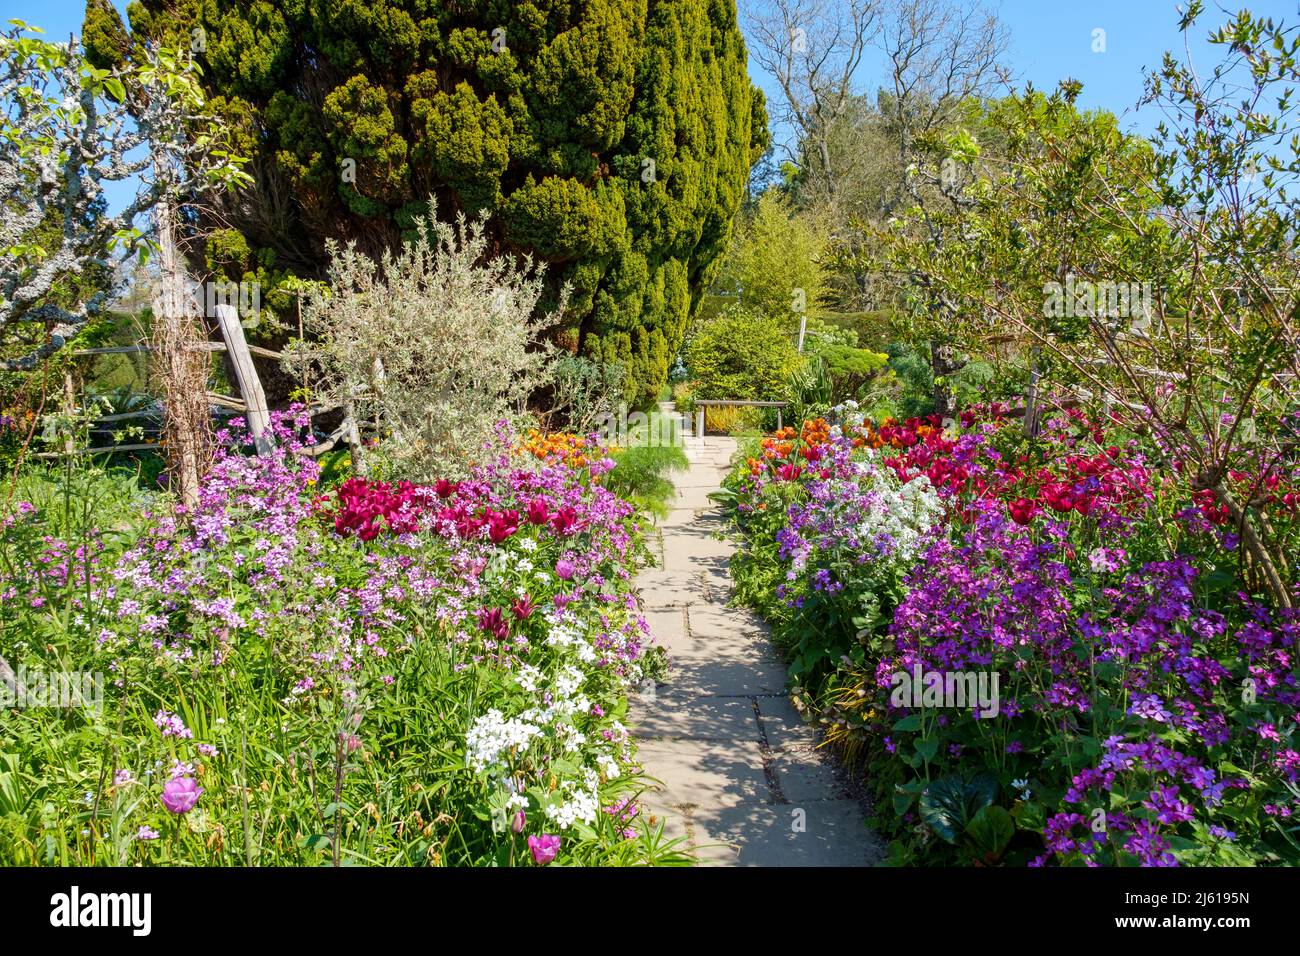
{"points": [[1144, 706], [376, 673]]}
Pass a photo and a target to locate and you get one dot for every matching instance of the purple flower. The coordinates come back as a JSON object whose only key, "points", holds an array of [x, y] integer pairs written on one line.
{"points": [[1151, 708], [564, 569], [181, 794], [543, 848]]}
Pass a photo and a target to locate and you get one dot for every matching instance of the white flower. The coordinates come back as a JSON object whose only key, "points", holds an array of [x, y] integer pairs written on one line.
{"points": [[492, 735], [608, 766], [527, 677], [581, 806]]}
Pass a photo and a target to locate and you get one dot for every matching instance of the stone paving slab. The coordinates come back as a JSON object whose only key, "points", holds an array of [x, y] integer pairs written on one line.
{"points": [[694, 498], [821, 833], [783, 726], [702, 773], [684, 716], [662, 589], [741, 780], [801, 775], [682, 551], [710, 621], [726, 676]]}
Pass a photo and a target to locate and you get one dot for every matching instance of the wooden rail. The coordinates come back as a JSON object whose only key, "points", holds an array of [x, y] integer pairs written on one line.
{"points": [[703, 403]]}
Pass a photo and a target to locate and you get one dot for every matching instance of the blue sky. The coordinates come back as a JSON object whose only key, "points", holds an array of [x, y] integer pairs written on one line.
{"points": [[1050, 40]]}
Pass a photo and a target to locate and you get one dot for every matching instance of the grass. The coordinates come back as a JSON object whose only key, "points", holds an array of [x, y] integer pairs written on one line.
{"points": [[642, 466]]}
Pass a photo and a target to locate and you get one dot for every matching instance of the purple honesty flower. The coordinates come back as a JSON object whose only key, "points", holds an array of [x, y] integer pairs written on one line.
{"points": [[1151, 708]]}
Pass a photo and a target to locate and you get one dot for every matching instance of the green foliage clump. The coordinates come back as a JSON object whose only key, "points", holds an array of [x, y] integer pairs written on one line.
{"points": [[611, 139], [744, 356], [774, 266], [643, 466]]}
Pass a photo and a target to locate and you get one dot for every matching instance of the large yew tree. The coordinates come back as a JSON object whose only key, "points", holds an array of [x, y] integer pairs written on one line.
{"points": [[610, 139]]}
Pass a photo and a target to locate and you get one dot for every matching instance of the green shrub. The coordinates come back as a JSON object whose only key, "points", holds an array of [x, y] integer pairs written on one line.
{"points": [[641, 470], [611, 138], [743, 356]]}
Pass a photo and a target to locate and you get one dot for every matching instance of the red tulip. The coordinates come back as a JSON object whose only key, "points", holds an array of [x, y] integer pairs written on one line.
{"points": [[564, 520], [1023, 511], [537, 511], [501, 525], [493, 622]]}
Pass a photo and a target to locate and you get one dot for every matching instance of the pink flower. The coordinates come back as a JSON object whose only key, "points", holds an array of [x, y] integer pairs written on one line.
{"points": [[564, 520], [502, 525], [492, 621], [564, 568], [538, 512], [543, 848], [517, 824], [181, 795], [523, 607]]}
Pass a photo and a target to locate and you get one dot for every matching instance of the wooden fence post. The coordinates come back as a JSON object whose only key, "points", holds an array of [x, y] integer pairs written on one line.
{"points": [[250, 386], [69, 410]]}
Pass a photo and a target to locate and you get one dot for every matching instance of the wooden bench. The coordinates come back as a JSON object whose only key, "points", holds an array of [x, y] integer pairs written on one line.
{"points": [[702, 404]]}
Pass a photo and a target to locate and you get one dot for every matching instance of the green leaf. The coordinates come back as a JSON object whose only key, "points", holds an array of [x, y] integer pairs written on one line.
{"points": [[949, 804], [927, 747], [1029, 816], [943, 808], [992, 829]]}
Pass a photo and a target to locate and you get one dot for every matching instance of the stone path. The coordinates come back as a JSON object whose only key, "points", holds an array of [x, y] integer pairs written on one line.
{"points": [[740, 777]]}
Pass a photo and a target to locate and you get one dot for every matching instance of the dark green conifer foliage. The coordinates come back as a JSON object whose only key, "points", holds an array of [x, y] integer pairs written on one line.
{"points": [[610, 138]]}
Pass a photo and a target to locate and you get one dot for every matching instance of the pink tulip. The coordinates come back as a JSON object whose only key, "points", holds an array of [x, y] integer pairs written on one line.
{"points": [[181, 795], [543, 848]]}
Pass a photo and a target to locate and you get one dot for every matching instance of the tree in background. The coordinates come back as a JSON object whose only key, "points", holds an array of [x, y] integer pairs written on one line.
{"points": [[610, 139], [1153, 278], [773, 266], [67, 128], [813, 48], [741, 354]]}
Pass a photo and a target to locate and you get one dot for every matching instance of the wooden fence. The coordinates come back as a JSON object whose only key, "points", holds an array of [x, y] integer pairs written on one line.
{"points": [[251, 401]]}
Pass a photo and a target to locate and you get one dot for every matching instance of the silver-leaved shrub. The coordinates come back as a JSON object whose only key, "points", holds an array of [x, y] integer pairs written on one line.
{"points": [[435, 342]]}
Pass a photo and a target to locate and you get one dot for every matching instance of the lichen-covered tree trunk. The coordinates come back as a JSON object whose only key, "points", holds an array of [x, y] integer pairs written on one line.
{"points": [[944, 363], [180, 366]]}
